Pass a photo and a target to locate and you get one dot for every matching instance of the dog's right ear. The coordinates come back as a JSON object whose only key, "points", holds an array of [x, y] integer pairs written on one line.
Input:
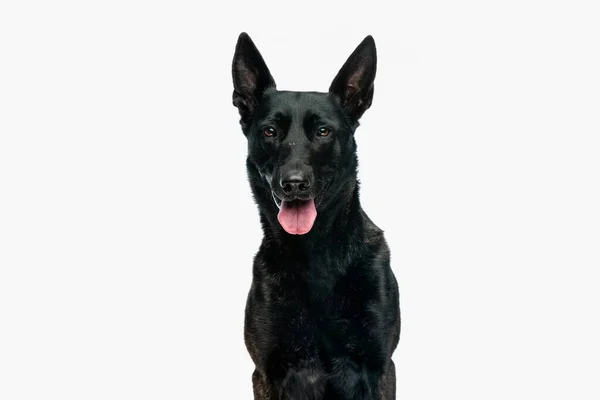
{"points": [[251, 77]]}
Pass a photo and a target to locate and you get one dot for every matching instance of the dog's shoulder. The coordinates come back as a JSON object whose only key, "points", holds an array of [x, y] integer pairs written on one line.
{"points": [[372, 233]]}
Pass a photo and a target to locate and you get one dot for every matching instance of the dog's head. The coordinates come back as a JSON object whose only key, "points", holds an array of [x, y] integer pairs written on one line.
{"points": [[301, 148]]}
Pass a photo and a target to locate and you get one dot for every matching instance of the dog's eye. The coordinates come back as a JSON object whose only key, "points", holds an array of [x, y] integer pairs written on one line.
{"points": [[323, 131], [270, 131]]}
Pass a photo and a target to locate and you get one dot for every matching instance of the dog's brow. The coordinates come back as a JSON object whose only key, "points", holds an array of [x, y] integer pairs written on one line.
{"points": [[277, 118], [314, 118]]}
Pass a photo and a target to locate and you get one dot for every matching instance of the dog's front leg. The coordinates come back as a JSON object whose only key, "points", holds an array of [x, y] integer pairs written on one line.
{"points": [[303, 384], [263, 388], [351, 381]]}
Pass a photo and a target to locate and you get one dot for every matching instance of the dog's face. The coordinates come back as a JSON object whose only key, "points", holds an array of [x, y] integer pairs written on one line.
{"points": [[301, 148]]}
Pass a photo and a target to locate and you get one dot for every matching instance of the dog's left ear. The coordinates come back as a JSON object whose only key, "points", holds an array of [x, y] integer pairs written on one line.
{"points": [[353, 84], [251, 77]]}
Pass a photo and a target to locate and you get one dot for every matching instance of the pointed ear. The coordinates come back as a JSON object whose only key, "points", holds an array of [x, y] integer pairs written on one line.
{"points": [[353, 85], [250, 76]]}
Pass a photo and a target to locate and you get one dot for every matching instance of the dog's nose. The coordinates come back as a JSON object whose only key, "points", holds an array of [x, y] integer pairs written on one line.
{"points": [[294, 183]]}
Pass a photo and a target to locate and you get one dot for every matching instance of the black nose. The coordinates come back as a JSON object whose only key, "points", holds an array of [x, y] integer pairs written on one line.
{"points": [[294, 183]]}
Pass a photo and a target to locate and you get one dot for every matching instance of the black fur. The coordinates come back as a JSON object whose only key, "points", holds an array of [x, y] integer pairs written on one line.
{"points": [[322, 317]]}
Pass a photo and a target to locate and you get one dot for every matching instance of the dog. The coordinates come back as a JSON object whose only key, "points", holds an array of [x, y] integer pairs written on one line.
{"points": [[322, 316]]}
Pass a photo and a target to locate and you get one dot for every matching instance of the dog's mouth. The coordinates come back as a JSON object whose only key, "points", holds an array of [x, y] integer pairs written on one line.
{"points": [[297, 215], [277, 200]]}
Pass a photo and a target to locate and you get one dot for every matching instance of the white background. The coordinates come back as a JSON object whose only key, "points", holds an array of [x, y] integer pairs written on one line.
{"points": [[127, 229]]}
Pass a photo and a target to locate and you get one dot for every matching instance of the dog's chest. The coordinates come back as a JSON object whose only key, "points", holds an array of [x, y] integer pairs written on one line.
{"points": [[316, 315]]}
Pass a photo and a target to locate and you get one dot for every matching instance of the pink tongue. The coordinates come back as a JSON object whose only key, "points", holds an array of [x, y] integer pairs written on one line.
{"points": [[297, 217]]}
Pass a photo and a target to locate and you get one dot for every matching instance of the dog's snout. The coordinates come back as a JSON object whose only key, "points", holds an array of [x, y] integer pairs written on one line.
{"points": [[294, 183]]}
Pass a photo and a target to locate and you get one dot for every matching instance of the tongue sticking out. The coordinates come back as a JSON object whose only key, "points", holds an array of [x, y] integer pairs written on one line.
{"points": [[297, 217]]}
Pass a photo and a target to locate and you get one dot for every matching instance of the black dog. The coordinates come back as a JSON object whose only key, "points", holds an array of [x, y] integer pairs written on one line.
{"points": [[323, 317]]}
